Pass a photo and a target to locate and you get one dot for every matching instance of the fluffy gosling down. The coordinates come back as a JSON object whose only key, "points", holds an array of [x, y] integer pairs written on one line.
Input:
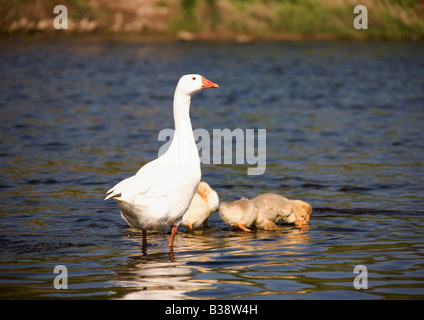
{"points": [[204, 203], [264, 212], [273, 207], [238, 214]]}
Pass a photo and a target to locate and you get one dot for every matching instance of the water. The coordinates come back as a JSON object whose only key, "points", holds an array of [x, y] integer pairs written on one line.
{"points": [[344, 133]]}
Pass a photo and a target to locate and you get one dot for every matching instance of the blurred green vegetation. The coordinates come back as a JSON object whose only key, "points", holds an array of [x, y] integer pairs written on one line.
{"points": [[223, 19], [387, 19]]}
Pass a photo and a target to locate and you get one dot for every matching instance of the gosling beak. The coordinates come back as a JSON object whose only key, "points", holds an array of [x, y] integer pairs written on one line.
{"points": [[203, 196], [208, 84], [301, 222]]}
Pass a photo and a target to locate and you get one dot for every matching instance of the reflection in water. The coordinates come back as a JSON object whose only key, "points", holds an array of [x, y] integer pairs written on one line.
{"points": [[201, 260], [153, 274], [157, 280]]}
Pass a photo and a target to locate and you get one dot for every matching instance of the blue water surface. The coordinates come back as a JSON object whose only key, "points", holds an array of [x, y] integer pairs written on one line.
{"points": [[344, 131]]}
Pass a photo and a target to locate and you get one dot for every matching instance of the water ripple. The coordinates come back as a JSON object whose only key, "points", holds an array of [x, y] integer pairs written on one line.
{"points": [[344, 132]]}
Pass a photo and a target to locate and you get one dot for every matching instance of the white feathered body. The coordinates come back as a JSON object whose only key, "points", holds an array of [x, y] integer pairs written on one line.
{"points": [[159, 194]]}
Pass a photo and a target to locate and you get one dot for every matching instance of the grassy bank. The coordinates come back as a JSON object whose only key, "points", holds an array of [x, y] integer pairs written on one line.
{"points": [[242, 20]]}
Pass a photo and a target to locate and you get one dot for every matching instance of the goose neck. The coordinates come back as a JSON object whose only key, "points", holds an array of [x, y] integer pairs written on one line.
{"points": [[182, 113]]}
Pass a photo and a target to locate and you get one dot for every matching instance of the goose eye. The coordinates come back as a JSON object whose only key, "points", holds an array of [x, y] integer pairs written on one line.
{"points": [[194, 78]]}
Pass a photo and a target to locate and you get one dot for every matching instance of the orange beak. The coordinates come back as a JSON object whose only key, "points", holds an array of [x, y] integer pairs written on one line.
{"points": [[204, 196], [301, 222], [208, 84]]}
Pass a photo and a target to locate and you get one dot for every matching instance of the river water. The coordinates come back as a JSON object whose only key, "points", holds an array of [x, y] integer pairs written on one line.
{"points": [[344, 131]]}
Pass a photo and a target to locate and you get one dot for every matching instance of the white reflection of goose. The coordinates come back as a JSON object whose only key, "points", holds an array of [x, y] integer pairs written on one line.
{"points": [[162, 280]]}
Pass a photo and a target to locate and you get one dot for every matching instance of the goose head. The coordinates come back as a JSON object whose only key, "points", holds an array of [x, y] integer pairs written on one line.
{"points": [[304, 213], [209, 195], [300, 213], [192, 83]]}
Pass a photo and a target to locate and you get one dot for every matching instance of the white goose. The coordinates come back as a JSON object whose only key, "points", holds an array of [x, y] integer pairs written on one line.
{"points": [[204, 203], [158, 195]]}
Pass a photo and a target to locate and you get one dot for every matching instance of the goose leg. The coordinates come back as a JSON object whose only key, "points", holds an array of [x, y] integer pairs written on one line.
{"points": [[242, 227], [173, 232], [189, 227]]}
